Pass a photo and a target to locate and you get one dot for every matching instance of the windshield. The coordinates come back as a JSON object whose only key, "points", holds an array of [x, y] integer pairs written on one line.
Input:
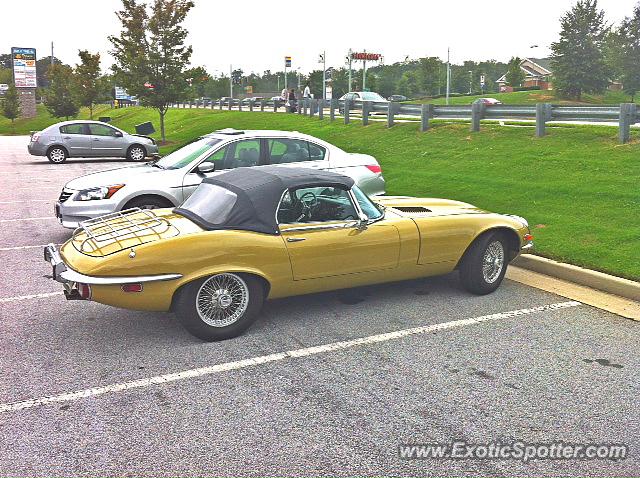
{"points": [[185, 155], [371, 96], [211, 203], [368, 207]]}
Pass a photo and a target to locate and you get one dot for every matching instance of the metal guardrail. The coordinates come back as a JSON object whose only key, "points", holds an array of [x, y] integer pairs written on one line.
{"points": [[625, 114]]}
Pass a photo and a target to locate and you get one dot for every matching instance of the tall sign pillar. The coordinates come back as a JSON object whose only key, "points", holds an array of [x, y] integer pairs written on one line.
{"points": [[24, 77]]}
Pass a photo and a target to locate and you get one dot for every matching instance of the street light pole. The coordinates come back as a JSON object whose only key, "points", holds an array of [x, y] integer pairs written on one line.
{"points": [[323, 58], [231, 81], [470, 81], [364, 71], [448, 76]]}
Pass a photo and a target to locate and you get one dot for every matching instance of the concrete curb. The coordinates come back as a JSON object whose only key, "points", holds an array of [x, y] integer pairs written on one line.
{"points": [[596, 280]]}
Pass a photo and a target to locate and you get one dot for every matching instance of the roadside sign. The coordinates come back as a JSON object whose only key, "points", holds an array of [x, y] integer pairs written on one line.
{"points": [[482, 80], [287, 62], [24, 67], [121, 94], [365, 56]]}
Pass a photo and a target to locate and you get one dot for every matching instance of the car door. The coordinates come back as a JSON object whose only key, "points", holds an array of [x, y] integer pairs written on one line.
{"points": [[296, 152], [238, 154], [76, 138], [106, 141], [329, 240]]}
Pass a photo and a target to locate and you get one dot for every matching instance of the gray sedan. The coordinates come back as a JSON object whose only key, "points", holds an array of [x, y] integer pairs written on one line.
{"points": [[89, 139]]}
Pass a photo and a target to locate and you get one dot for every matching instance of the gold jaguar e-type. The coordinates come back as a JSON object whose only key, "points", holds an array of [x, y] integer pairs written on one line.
{"points": [[253, 234]]}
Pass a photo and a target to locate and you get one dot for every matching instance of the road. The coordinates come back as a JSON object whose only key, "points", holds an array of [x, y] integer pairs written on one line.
{"points": [[284, 399]]}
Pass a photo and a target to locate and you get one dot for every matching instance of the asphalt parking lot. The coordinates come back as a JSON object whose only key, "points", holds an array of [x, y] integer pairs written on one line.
{"points": [[521, 371]]}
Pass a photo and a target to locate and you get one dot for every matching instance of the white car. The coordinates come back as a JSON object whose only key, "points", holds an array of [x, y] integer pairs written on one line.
{"points": [[170, 180]]}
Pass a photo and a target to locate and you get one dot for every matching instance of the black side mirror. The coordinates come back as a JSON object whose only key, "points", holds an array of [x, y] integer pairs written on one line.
{"points": [[206, 167]]}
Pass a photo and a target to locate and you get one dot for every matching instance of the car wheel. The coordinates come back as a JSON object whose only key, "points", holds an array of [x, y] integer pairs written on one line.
{"points": [[148, 202], [219, 307], [57, 155], [136, 153], [484, 264]]}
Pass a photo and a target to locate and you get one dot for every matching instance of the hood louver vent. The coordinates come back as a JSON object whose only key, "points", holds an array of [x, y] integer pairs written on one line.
{"points": [[413, 209]]}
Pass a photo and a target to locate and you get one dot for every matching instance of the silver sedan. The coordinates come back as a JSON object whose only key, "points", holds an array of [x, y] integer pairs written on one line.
{"points": [[89, 139], [170, 180]]}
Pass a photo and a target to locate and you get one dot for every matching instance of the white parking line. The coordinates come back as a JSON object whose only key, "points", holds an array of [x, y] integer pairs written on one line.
{"points": [[250, 362], [28, 200], [29, 219], [18, 248], [27, 297]]}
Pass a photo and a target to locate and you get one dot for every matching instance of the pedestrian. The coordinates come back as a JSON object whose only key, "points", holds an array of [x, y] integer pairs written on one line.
{"points": [[291, 101], [283, 94], [307, 92]]}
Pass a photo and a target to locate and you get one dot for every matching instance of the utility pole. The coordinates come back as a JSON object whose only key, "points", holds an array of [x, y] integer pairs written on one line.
{"points": [[349, 62], [470, 81], [51, 53], [231, 81], [448, 76]]}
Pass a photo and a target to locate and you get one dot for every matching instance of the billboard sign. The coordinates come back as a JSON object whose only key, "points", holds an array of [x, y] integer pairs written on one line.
{"points": [[365, 56], [287, 62], [121, 94], [24, 67]]}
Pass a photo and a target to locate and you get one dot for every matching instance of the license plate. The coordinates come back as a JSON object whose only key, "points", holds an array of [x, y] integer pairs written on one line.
{"points": [[56, 210]]}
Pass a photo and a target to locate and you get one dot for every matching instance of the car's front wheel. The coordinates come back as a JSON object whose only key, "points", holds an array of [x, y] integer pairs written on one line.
{"points": [[485, 264], [136, 153], [220, 306], [57, 155]]}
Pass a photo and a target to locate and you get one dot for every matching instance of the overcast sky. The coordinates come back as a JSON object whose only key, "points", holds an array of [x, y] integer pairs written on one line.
{"points": [[255, 35]]}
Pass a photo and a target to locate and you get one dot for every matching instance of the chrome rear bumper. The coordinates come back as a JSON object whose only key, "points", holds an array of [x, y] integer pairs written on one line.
{"points": [[67, 276]]}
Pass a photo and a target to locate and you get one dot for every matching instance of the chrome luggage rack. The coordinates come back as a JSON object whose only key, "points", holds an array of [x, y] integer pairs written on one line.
{"points": [[104, 228]]}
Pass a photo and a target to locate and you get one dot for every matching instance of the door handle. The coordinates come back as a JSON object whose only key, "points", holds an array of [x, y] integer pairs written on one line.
{"points": [[96, 139], [66, 137], [296, 239]]}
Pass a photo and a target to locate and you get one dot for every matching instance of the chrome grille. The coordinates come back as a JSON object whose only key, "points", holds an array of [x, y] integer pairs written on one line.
{"points": [[64, 195]]}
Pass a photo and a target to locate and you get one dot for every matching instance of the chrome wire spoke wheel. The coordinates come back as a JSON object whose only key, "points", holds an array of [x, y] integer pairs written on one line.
{"points": [[56, 155], [493, 262], [222, 300]]}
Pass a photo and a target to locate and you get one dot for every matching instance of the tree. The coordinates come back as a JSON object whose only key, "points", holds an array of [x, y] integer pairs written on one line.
{"points": [[515, 76], [197, 78], [88, 79], [151, 57], [61, 96], [11, 103], [429, 75], [629, 34], [42, 66], [578, 61]]}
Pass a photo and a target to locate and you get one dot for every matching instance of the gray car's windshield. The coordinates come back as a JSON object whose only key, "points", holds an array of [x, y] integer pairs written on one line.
{"points": [[185, 155]]}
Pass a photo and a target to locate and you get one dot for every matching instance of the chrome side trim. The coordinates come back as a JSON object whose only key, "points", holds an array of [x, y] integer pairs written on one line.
{"points": [[72, 276], [320, 227]]}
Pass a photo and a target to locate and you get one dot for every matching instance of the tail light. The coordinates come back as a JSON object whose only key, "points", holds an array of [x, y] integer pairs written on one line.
{"points": [[85, 291], [374, 168], [528, 237], [137, 287]]}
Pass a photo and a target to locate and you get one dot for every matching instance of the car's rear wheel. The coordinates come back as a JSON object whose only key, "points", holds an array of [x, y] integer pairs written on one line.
{"points": [[220, 306], [485, 264], [57, 155], [136, 153]]}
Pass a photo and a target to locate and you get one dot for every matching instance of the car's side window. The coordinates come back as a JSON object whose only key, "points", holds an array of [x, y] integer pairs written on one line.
{"points": [[101, 130], [240, 154], [289, 150], [316, 204], [76, 128]]}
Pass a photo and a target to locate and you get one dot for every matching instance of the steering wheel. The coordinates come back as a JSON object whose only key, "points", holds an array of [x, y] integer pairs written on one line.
{"points": [[308, 201]]}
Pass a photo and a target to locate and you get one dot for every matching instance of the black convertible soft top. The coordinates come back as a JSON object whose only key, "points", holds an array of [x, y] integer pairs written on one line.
{"points": [[247, 198]]}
